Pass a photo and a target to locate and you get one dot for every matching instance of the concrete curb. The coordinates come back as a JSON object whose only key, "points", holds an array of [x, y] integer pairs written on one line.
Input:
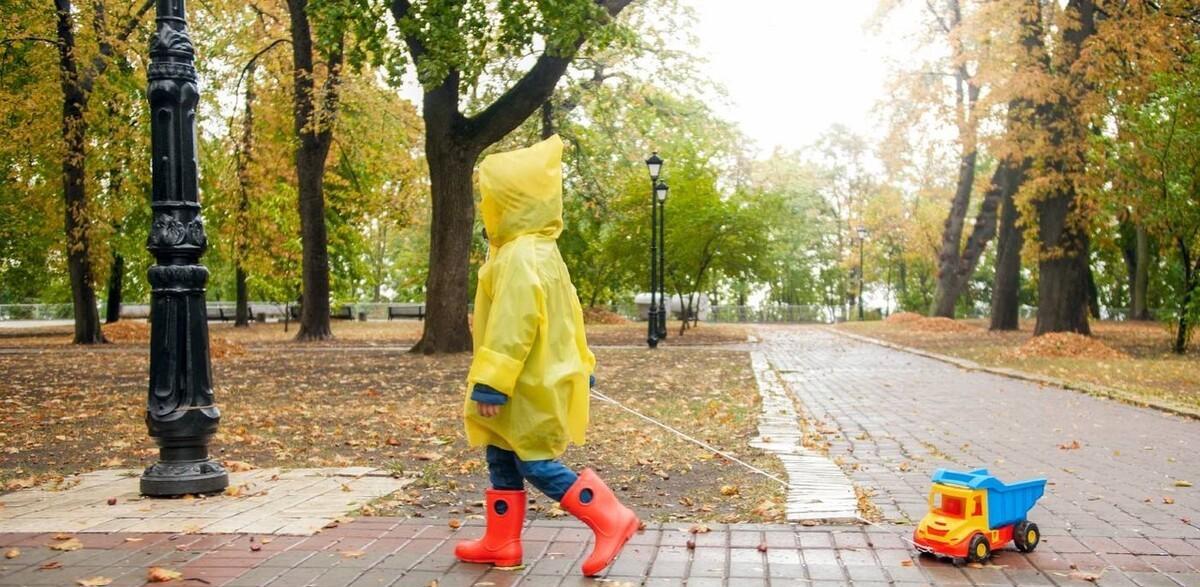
{"points": [[1088, 388]]}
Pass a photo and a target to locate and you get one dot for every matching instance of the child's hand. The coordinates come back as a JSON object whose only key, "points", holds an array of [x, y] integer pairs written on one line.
{"points": [[488, 410]]}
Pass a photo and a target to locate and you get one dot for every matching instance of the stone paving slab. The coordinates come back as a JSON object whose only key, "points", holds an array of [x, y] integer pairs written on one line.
{"points": [[816, 488], [271, 501], [391, 552]]}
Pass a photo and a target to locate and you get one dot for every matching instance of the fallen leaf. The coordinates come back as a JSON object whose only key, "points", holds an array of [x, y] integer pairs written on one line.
{"points": [[906, 563], [161, 575], [1181, 483], [1073, 445], [729, 490], [1168, 500], [699, 529], [352, 553], [132, 539], [427, 456], [67, 545], [50, 566], [62, 536], [112, 501], [454, 523], [238, 466], [94, 582], [12, 553], [1082, 576], [975, 565], [255, 547]]}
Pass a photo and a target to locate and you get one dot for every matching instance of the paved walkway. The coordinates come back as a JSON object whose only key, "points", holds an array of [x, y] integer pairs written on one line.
{"points": [[1113, 514]]}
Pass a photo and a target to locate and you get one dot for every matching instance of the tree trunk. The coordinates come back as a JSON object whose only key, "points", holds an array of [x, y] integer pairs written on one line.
{"points": [[314, 314], [1006, 303], [1062, 284], [450, 168], [245, 156], [1093, 293], [1141, 276], [74, 132], [115, 278], [948, 284], [242, 311], [547, 119], [313, 125], [1185, 300]]}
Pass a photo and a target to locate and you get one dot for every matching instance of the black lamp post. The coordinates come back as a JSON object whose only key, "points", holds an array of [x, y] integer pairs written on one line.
{"points": [[654, 166], [181, 414], [660, 193], [862, 238]]}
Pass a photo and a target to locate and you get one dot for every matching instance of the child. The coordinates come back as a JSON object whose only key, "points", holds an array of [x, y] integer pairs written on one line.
{"points": [[531, 373]]}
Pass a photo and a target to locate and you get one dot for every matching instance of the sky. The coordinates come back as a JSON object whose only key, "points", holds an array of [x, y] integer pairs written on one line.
{"points": [[793, 67]]}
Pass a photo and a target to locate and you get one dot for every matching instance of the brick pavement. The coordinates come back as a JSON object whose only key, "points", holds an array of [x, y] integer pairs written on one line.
{"points": [[393, 552], [891, 418]]}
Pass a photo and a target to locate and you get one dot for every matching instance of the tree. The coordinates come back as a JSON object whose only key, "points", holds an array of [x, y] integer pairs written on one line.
{"points": [[1161, 169], [1014, 166], [1062, 219], [315, 115], [449, 44], [953, 267], [77, 82]]}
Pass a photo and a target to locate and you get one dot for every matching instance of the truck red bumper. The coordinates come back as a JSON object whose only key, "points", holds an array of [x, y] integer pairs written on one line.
{"points": [[951, 549]]}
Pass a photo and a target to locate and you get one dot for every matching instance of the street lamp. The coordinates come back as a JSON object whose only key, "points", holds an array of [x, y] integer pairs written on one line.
{"points": [[660, 191], [654, 166], [181, 413], [862, 238]]}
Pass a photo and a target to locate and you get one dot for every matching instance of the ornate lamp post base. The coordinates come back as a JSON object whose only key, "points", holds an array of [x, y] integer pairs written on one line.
{"points": [[164, 479]]}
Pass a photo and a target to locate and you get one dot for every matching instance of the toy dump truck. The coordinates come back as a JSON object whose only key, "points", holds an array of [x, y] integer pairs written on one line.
{"points": [[972, 514]]}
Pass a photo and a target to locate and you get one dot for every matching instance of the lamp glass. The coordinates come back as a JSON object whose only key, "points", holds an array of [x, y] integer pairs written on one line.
{"points": [[660, 190], [654, 164], [862, 232]]}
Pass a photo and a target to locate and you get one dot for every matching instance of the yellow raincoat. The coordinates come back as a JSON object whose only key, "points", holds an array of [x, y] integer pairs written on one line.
{"points": [[529, 338]]}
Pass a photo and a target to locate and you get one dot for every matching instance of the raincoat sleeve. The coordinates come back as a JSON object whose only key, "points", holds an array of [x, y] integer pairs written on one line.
{"points": [[517, 312]]}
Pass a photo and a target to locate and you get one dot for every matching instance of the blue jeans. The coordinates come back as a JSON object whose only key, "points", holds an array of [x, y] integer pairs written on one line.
{"points": [[509, 472]]}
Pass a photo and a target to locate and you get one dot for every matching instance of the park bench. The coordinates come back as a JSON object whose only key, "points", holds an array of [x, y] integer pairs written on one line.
{"points": [[223, 314], [407, 311], [343, 313]]}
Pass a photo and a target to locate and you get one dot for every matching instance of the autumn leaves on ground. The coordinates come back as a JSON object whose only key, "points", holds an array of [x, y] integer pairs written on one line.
{"points": [[1134, 358], [364, 400]]}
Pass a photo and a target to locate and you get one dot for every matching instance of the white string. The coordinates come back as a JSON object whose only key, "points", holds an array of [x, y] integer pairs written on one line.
{"points": [[715, 450], [684, 436]]}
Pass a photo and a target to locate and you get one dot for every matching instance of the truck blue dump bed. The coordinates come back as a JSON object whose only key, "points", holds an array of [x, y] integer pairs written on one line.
{"points": [[1006, 503]]}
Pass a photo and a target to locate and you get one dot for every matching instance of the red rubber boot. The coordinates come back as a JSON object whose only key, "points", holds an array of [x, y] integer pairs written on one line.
{"points": [[501, 542], [612, 522]]}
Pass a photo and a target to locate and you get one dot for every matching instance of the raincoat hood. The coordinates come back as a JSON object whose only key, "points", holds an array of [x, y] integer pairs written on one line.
{"points": [[522, 192]]}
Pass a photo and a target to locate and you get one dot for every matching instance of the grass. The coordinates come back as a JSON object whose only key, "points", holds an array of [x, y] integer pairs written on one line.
{"points": [[75, 409], [1148, 371]]}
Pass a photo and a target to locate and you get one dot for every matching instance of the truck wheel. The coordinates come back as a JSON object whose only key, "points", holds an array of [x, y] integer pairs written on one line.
{"points": [[1026, 536], [979, 549]]}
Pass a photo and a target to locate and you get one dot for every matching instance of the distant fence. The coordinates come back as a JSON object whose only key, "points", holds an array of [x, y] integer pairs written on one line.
{"points": [[771, 313], [217, 309]]}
